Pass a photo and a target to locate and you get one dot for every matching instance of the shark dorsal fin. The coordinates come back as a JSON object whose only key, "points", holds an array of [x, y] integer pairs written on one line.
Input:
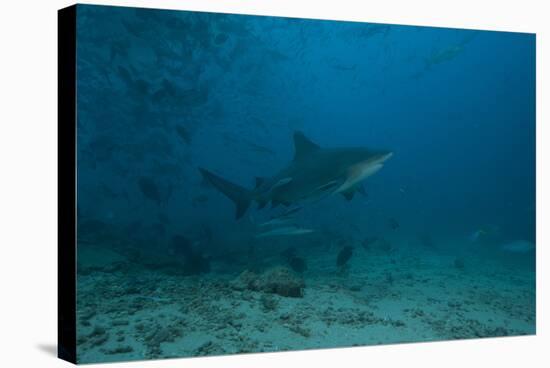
{"points": [[302, 145]]}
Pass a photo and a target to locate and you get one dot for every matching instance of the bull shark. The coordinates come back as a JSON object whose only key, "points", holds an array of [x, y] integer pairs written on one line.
{"points": [[315, 172]]}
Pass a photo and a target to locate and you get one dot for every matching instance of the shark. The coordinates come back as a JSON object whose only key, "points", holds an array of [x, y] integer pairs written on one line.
{"points": [[287, 230], [314, 173]]}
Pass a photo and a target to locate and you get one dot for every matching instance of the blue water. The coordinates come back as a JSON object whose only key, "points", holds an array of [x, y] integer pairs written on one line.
{"points": [[162, 93]]}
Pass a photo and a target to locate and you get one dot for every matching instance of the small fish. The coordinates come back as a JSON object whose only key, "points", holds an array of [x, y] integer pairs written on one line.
{"points": [[385, 246], [136, 29], [344, 68], [183, 134], [393, 224], [91, 226], [283, 218], [108, 192], [289, 253], [149, 189], [221, 38], [125, 76], [159, 228], [444, 55], [118, 49], [298, 264], [476, 235], [389, 278], [280, 183], [374, 29], [344, 256], [275, 221], [426, 240], [133, 228], [163, 218], [133, 85], [259, 148], [338, 65], [205, 183], [201, 198], [290, 230], [417, 75], [486, 232], [518, 246], [187, 253], [369, 241], [181, 246]]}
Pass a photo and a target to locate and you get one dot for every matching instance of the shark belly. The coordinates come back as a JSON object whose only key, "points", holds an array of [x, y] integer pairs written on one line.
{"points": [[357, 174]]}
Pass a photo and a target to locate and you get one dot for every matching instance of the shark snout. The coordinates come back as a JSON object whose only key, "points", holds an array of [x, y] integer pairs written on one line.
{"points": [[386, 156], [383, 157]]}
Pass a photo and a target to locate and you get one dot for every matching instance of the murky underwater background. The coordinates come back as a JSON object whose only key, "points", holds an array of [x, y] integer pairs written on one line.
{"points": [[441, 244]]}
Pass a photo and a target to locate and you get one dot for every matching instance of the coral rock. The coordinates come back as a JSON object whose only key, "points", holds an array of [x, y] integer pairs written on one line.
{"points": [[279, 280]]}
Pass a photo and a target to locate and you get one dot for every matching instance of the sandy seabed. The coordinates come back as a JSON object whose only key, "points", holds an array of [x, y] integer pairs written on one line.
{"points": [[125, 312]]}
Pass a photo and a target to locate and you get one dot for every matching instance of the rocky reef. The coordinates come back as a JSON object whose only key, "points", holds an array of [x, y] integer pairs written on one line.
{"points": [[278, 280]]}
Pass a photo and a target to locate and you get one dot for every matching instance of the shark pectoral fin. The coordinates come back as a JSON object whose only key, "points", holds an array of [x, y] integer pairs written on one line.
{"points": [[322, 191], [302, 145], [275, 203], [348, 194], [361, 190], [281, 182], [291, 211], [262, 204], [331, 185]]}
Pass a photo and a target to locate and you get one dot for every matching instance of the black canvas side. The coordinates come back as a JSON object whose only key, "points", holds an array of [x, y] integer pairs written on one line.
{"points": [[66, 187]]}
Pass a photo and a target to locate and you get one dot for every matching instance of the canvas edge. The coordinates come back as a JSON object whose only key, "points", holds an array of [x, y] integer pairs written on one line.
{"points": [[66, 186]]}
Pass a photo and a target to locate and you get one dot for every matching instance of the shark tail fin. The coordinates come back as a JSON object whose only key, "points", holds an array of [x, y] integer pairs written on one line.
{"points": [[239, 195]]}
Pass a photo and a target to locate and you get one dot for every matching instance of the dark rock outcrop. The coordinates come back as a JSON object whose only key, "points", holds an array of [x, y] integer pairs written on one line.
{"points": [[278, 280]]}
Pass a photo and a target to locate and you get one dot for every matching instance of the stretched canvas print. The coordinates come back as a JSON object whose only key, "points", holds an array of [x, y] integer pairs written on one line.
{"points": [[240, 184]]}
